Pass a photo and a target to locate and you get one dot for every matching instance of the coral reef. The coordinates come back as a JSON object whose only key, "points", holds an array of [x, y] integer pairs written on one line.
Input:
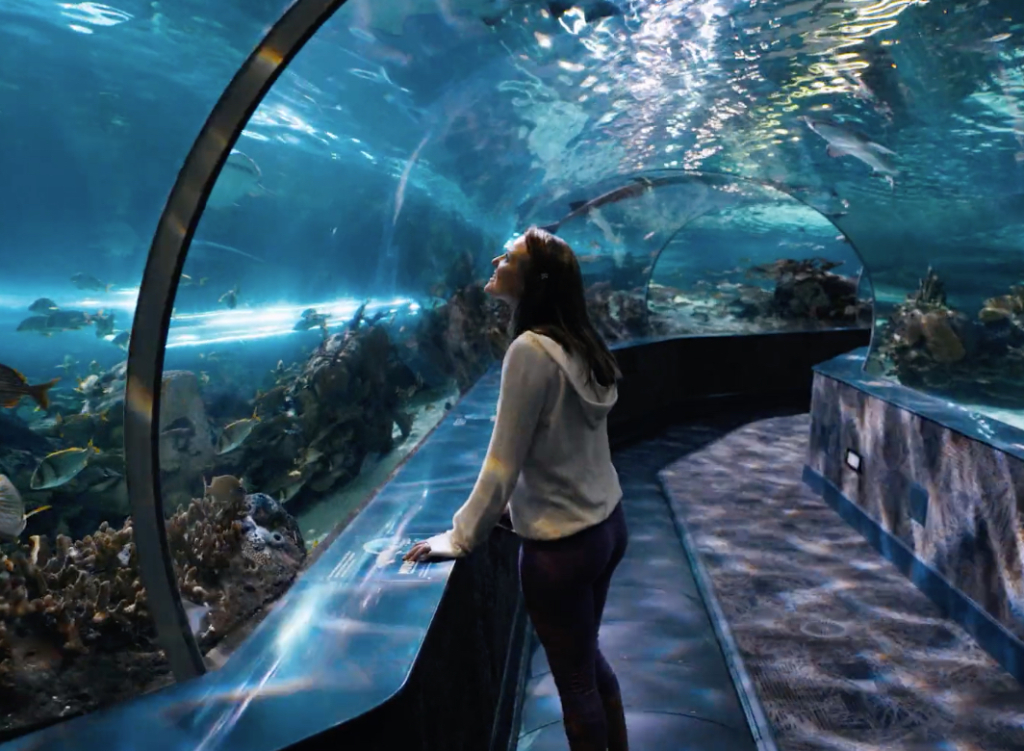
{"points": [[458, 340], [318, 424], [75, 631], [808, 290], [789, 295], [616, 301], [618, 314], [233, 553], [928, 344]]}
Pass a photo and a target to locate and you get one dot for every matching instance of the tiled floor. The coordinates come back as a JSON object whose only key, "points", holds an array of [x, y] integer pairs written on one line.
{"points": [[656, 633]]}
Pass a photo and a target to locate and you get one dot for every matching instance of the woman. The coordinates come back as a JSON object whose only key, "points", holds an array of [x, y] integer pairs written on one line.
{"points": [[549, 460]]}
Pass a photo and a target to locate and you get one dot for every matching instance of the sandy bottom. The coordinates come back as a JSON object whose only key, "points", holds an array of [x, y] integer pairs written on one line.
{"points": [[318, 520]]}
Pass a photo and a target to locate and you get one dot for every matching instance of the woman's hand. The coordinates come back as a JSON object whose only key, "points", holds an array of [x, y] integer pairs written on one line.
{"points": [[418, 552], [437, 548]]}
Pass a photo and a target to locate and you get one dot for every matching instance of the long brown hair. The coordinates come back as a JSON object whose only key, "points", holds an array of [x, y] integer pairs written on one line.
{"points": [[553, 303]]}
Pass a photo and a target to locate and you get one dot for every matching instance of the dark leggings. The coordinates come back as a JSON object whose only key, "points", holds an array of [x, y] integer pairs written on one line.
{"points": [[565, 585]]}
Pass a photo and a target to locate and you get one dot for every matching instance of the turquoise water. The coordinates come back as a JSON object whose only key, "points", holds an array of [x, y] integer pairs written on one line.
{"points": [[758, 167]]}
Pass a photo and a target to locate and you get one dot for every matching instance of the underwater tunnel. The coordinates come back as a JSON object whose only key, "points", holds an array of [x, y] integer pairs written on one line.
{"points": [[247, 360]]}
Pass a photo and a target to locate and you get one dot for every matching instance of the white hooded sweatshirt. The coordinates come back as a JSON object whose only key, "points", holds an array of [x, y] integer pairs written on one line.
{"points": [[548, 458]]}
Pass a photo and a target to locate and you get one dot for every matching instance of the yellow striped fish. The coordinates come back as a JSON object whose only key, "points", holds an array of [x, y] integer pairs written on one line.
{"points": [[61, 467], [14, 386]]}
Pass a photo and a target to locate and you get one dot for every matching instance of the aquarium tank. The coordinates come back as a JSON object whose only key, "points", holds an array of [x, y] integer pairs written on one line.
{"points": [[721, 168]]}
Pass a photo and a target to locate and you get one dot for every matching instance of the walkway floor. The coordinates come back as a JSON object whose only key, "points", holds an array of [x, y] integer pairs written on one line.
{"points": [[788, 576], [656, 633]]}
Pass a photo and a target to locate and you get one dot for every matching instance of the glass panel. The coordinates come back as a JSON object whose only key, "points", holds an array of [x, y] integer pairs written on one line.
{"points": [[722, 256], [97, 115], [330, 313]]}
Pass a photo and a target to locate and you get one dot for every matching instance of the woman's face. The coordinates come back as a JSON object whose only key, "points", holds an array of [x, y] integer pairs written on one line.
{"points": [[506, 283]]}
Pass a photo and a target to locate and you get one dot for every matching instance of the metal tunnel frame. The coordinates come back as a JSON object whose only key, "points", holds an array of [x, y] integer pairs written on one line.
{"points": [[159, 286]]}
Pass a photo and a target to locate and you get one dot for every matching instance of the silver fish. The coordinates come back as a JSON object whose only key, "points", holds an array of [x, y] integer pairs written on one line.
{"points": [[90, 283], [239, 178], [234, 435], [390, 17], [12, 510], [843, 141], [60, 467]]}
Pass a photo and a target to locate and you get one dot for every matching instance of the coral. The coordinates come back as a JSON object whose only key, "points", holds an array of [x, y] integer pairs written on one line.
{"points": [[75, 631], [617, 314], [323, 418], [233, 553], [458, 340], [807, 289], [931, 292], [1004, 307], [78, 594], [926, 343]]}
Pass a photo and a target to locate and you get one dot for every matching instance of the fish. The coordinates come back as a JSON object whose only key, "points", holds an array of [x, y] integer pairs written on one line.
{"points": [[14, 387], [68, 364], [637, 187], [230, 298], [843, 141], [104, 324], [68, 320], [196, 615], [234, 434], [43, 305], [204, 245], [12, 511], [89, 282], [310, 319], [390, 17], [60, 467], [121, 340], [37, 324], [224, 488], [187, 281], [239, 178]]}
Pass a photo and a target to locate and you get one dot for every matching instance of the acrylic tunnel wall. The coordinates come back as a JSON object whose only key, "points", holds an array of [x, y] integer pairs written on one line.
{"points": [[402, 147], [100, 105], [673, 253]]}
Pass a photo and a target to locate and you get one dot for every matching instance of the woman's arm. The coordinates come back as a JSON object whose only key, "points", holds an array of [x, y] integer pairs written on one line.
{"points": [[526, 375]]}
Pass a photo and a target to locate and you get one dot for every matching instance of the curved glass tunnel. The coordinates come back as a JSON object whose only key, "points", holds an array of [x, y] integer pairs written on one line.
{"points": [[99, 110], [760, 154], [685, 253]]}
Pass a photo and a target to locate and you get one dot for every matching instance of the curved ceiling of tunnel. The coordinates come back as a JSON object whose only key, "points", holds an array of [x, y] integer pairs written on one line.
{"points": [[489, 105], [897, 119]]}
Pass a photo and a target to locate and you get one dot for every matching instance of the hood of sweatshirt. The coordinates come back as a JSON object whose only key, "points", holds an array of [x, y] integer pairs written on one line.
{"points": [[597, 400]]}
